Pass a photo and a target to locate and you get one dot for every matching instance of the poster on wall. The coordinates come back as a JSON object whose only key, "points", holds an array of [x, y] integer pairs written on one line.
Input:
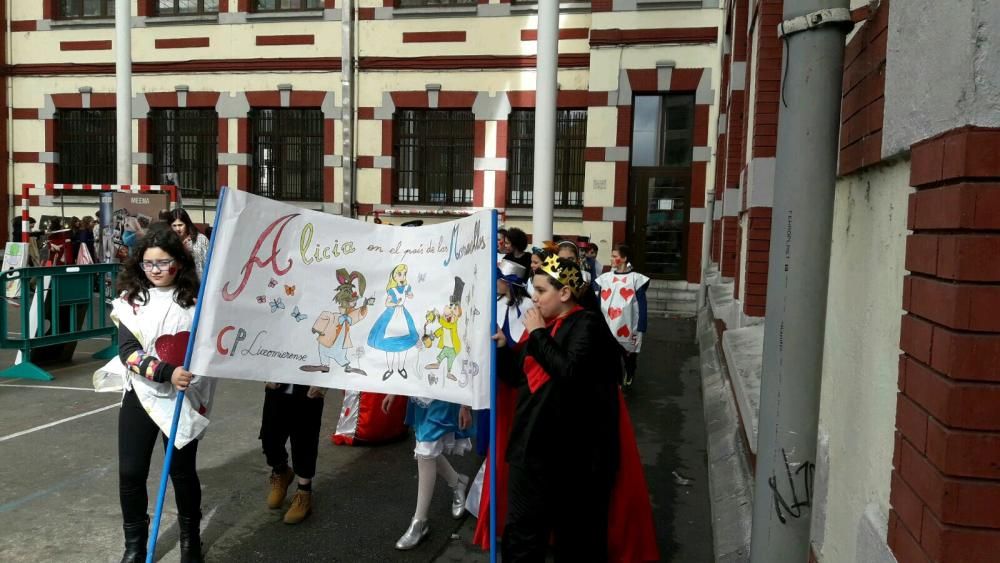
{"points": [[131, 217], [15, 257], [299, 296]]}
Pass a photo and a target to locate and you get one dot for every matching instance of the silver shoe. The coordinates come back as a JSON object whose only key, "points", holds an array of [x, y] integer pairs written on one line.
{"points": [[415, 534], [458, 497]]}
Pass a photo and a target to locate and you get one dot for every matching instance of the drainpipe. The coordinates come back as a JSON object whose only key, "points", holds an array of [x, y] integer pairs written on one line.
{"points": [[706, 247], [123, 90], [347, 103], [798, 273], [545, 120]]}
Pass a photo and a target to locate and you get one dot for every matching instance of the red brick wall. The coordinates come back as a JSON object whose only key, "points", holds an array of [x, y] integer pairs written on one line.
{"points": [[758, 252], [767, 68], [730, 247], [946, 467], [863, 108]]}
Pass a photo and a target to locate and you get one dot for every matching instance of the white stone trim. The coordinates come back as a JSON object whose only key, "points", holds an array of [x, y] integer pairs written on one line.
{"points": [[760, 182], [614, 213], [494, 163], [234, 159]]}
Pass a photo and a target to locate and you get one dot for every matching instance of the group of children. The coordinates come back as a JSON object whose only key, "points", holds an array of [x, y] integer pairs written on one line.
{"points": [[567, 440]]}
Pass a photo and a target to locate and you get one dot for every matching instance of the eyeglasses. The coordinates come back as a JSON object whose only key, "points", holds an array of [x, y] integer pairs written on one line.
{"points": [[161, 265]]}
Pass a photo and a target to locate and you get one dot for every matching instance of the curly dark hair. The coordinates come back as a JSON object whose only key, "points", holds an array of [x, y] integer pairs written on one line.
{"points": [[133, 281], [518, 240]]}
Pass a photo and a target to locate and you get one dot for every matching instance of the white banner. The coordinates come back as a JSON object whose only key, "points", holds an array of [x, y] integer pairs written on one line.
{"points": [[299, 296]]}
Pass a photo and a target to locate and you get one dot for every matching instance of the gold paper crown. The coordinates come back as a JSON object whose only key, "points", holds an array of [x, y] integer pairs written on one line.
{"points": [[569, 275]]}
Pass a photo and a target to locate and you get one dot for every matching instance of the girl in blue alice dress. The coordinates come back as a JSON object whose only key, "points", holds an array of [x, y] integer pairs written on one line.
{"points": [[440, 428], [394, 332]]}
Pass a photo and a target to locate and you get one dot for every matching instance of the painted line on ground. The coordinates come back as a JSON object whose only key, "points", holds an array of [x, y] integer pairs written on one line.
{"points": [[91, 389], [56, 423], [96, 472]]}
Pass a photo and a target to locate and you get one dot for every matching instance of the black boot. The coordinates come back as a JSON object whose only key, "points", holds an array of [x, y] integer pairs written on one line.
{"points": [[190, 528], [136, 536]]}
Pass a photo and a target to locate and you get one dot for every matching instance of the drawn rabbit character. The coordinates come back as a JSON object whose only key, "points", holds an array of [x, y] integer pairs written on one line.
{"points": [[449, 343], [333, 330]]}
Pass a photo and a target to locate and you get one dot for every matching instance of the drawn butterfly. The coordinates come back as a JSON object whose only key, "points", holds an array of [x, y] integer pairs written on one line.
{"points": [[272, 283], [297, 315], [289, 289], [261, 299], [276, 304]]}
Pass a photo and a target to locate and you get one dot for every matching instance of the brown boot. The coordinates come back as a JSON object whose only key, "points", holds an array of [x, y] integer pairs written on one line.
{"points": [[301, 507], [279, 488]]}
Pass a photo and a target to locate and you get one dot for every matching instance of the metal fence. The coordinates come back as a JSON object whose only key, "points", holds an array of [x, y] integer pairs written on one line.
{"points": [[186, 7], [287, 153], [286, 5], [185, 142], [85, 139], [433, 156], [72, 9], [433, 3]]}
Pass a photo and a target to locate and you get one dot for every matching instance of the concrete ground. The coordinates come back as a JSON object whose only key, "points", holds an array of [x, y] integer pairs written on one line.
{"points": [[58, 482]]}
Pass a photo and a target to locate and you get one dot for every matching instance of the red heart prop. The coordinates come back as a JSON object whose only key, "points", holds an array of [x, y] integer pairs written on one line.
{"points": [[624, 331], [347, 411], [171, 348], [626, 293], [614, 313], [606, 294]]}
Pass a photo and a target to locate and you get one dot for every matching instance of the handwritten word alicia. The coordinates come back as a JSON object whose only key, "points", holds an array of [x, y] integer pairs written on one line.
{"points": [[254, 260], [321, 253]]}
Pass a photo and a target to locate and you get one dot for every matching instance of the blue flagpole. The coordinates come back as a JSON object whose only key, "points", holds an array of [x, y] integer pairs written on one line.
{"points": [[151, 548], [493, 404]]}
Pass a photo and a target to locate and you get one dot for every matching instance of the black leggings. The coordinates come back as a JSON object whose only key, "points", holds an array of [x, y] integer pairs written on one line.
{"points": [[136, 438], [631, 363], [296, 418]]}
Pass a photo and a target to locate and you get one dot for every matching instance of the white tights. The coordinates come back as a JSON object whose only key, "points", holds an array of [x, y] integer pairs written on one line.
{"points": [[427, 471]]}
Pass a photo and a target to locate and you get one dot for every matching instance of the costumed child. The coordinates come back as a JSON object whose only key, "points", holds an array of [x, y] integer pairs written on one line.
{"points": [[573, 462], [154, 314], [623, 303], [291, 413], [441, 428], [394, 332]]}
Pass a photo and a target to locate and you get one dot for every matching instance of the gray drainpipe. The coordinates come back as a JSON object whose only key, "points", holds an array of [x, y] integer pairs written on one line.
{"points": [[798, 273]]}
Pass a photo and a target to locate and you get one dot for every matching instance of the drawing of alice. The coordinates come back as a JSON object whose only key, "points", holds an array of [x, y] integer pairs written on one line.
{"points": [[394, 332]]}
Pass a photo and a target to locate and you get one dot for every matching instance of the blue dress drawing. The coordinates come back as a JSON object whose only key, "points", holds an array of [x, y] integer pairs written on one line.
{"points": [[378, 337]]}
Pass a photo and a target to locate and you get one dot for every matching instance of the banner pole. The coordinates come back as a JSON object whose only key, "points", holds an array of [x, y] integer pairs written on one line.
{"points": [[151, 548], [493, 401]]}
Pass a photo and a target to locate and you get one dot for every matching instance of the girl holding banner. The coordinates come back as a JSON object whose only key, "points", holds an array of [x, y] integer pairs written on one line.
{"points": [[154, 314]]}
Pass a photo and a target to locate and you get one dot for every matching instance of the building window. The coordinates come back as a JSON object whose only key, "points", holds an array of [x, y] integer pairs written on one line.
{"points": [[185, 143], [186, 7], [571, 139], [433, 156], [85, 139], [286, 5], [663, 130], [433, 3], [287, 153], [70, 9]]}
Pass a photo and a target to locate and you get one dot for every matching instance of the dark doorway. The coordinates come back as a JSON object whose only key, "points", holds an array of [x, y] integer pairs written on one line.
{"points": [[660, 186]]}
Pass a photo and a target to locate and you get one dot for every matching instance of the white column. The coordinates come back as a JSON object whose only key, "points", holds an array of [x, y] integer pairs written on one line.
{"points": [[545, 119], [123, 90]]}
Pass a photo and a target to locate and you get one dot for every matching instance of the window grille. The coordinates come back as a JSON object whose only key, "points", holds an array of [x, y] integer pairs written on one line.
{"points": [[571, 139], [85, 139], [185, 142], [186, 7], [286, 5], [433, 156], [287, 153], [71, 9]]}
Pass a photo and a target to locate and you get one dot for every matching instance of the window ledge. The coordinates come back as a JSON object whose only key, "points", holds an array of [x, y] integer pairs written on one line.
{"points": [[522, 9], [175, 20], [285, 16], [558, 213], [454, 11], [83, 23]]}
